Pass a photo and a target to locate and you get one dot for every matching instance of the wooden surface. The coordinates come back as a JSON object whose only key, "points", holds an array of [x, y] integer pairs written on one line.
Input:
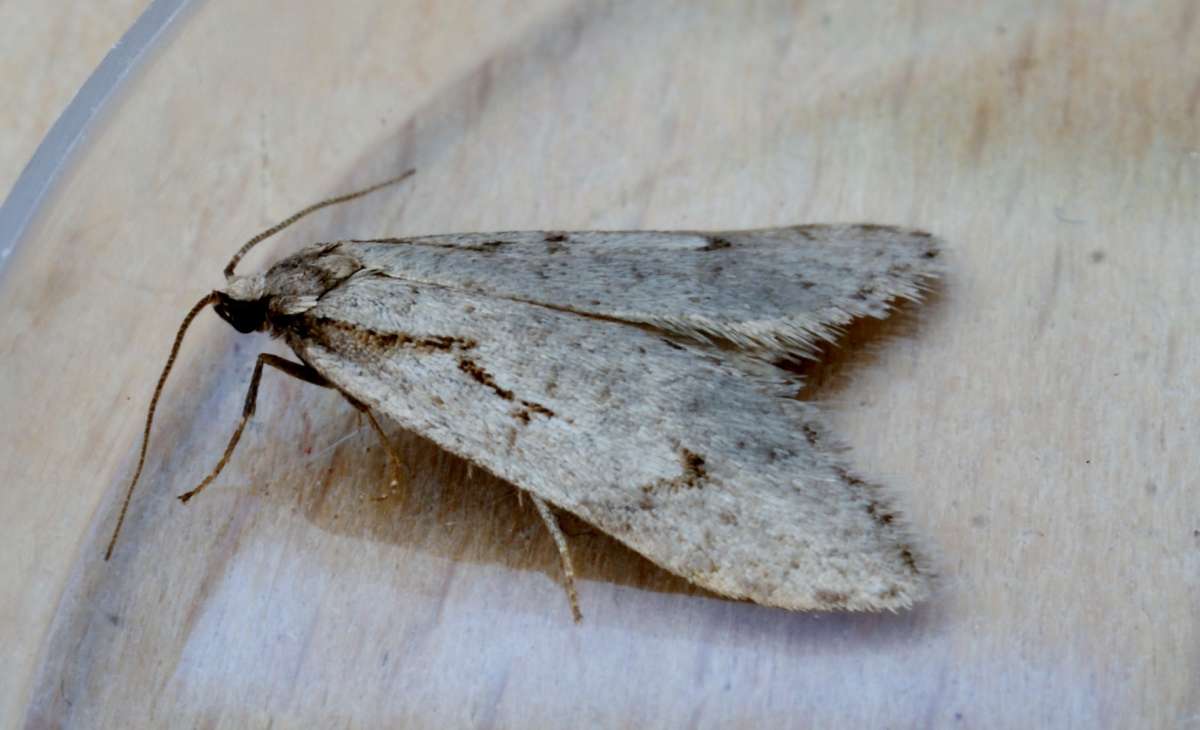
{"points": [[1039, 415]]}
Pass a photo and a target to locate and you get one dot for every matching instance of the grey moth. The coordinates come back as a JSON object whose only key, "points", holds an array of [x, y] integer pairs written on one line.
{"points": [[626, 377]]}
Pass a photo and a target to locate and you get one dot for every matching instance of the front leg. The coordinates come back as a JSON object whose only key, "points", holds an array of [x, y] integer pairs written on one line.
{"points": [[295, 369]]}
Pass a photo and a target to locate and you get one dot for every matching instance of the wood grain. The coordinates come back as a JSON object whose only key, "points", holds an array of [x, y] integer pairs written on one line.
{"points": [[1039, 415]]}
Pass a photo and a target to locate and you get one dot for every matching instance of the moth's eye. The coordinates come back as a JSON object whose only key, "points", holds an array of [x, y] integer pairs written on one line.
{"points": [[245, 316]]}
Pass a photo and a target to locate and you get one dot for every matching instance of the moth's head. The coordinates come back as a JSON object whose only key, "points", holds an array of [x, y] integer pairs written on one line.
{"points": [[243, 303]]}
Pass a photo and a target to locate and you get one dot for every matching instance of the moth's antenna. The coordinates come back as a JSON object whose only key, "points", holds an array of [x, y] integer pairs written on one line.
{"points": [[310, 209], [162, 379]]}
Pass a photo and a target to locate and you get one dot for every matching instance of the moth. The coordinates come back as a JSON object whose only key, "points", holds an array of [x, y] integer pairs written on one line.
{"points": [[627, 377]]}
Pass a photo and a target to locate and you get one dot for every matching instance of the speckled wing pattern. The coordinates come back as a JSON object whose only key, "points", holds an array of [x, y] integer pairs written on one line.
{"points": [[774, 289], [625, 377]]}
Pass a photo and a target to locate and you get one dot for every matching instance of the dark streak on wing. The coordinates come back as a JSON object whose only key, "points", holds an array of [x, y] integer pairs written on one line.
{"points": [[429, 343], [370, 340], [484, 378], [490, 246]]}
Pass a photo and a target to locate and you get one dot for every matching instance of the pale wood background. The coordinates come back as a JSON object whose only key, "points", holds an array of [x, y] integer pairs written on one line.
{"points": [[50, 48], [1039, 415]]}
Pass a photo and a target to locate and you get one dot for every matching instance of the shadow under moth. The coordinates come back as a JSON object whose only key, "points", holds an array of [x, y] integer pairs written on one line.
{"points": [[627, 377]]}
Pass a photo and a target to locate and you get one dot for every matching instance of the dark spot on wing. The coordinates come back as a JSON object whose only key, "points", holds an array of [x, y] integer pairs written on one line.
{"points": [[530, 409], [555, 238], [692, 477], [774, 453], [442, 343], [879, 514], [716, 243], [830, 599], [483, 377], [848, 478], [874, 228], [693, 467], [538, 408]]}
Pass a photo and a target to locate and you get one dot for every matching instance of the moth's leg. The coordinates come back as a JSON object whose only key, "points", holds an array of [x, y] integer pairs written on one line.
{"points": [[560, 540], [400, 476], [295, 369]]}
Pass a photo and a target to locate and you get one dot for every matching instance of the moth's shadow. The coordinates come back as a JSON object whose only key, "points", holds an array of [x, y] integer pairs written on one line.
{"points": [[448, 508], [862, 345]]}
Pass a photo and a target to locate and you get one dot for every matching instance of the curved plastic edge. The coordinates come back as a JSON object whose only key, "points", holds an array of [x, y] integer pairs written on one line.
{"points": [[73, 125]]}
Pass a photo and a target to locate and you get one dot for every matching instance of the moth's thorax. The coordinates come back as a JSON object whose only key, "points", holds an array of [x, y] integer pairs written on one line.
{"points": [[310, 273], [262, 301]]}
